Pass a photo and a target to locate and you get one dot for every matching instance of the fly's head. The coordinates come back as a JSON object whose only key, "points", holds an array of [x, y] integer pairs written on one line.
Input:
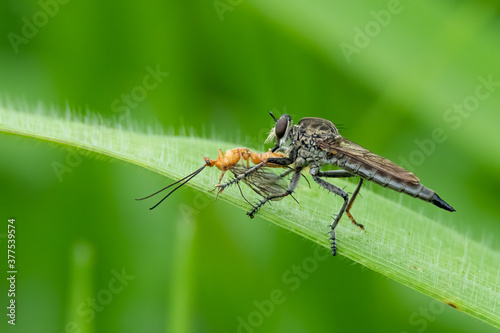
{"points": [[282, 132]]}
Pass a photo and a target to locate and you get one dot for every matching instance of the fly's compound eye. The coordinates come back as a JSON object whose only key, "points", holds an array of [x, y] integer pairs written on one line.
{"points": [[281, 126]]}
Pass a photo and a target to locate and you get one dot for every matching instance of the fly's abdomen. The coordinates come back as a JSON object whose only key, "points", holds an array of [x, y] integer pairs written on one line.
{"points": [[416, 190], [385, 179]]}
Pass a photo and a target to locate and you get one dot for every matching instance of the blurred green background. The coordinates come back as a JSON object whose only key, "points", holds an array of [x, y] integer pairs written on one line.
{"points": [[390, 72]]}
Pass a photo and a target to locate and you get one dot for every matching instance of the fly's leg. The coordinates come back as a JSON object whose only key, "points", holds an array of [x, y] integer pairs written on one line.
{"points": [[289, 171], [282, 160], [351, 201], [337, 190], [291, 187], [335, 174], [286, 173], [345, 174]]}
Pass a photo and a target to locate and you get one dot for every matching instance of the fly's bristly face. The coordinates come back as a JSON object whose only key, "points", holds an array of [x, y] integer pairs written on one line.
{"points": [[281, 131]]}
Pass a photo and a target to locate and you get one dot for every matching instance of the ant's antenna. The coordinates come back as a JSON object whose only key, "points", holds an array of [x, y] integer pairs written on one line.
{"points": [[183, 180]]}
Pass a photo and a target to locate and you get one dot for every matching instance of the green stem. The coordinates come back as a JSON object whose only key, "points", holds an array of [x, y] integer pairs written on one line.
{"points": [[81, 286], [181, 289]]}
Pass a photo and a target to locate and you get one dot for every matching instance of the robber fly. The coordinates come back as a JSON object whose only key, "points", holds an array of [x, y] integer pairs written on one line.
{"points": [[265, 183], [316, 142]]}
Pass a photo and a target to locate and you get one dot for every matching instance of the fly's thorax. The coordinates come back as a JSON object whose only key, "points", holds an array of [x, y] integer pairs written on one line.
{"points": [[312, 157], [306, 140], [318, 126]]}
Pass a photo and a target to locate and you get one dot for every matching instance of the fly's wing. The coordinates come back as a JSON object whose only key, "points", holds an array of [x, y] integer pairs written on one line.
{"points": [[364, 156], [264, 183]]}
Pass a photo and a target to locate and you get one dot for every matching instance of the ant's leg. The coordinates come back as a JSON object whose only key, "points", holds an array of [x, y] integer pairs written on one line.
{"points": [[220, 178], [241, 192], [286, 173], [243, 158]]}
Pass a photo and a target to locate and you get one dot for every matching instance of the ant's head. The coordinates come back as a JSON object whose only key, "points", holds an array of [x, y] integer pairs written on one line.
{"points": [[208, 161], [280, 131]]}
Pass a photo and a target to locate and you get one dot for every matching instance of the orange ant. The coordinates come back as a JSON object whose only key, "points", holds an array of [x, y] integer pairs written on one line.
{"points": [[266, 183], [229, 160]]}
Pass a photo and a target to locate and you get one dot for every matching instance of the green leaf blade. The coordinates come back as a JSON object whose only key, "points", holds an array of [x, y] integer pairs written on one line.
{"points": [[399, 242]]}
